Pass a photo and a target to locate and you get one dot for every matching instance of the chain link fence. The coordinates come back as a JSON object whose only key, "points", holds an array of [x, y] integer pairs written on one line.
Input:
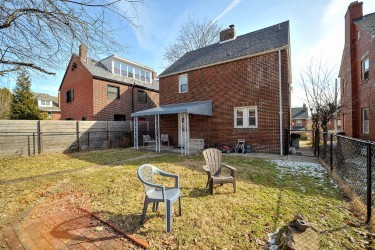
{"points": [[351, 162]]}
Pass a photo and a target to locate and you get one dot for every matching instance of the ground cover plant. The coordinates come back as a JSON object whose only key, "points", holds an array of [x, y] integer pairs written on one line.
{"points": [[269, 194]]}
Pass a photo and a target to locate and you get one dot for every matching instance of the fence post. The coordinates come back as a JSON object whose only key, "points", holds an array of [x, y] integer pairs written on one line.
{"points": [[28, 145], [318, 142], [77, 134], [108, 144], [331, 152], [88, 140], [40, 139], [369, 182], [34, 143]]}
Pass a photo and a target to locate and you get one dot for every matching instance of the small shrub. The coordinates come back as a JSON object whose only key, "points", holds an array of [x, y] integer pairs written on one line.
{"points": [[304, 137]]}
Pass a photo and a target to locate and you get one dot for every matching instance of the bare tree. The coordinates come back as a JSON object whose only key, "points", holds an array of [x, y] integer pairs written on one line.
{"points": [[321, 92], [194, 34], [40, 34]]}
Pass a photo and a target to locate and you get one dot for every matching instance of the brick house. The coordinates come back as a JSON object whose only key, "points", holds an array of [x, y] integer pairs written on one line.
{"points": [[357, 73], [48, 104], [106, 90], [230, 90], [300, 118]]}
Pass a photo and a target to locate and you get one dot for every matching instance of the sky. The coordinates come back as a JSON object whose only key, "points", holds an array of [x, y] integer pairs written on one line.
{"points": [[316, 31]]}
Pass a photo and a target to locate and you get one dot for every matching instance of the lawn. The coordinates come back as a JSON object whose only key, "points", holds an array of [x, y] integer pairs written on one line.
{"points": [[269, 194]]}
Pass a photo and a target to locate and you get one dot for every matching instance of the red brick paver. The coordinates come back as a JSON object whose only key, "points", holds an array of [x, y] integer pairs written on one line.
{"points": [[68, 229]]}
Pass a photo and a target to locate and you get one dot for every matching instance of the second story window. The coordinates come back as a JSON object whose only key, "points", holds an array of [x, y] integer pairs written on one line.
{"points": [[130, 71], [148, 77], [124, 69], [142, 96], [69, 96], [365, 68], [143, 75], [45, 103], [117, 68], [182, 83], [137, 73], [113, 92]]}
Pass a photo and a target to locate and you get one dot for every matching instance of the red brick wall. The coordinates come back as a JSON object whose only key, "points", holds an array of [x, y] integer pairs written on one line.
{"points": [[80, 80], [90, 97], [56, 115], [247, 82], [356, 93]]}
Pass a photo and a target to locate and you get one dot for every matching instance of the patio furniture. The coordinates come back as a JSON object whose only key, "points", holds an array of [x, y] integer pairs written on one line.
{"points": [[164, 138], [213, 168], [147, 139], [240, 146], [155, 193]]}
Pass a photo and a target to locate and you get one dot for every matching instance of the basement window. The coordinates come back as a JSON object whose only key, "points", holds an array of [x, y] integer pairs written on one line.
{"points": [[365, 68], [246, 117]]}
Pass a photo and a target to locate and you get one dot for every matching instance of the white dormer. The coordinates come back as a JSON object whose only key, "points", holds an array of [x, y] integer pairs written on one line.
{"points": [[123, 67], [44, 103]]}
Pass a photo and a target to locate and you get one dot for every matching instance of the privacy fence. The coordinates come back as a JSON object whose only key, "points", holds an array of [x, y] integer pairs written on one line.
{"points": [[351, 163], [28, 138]]}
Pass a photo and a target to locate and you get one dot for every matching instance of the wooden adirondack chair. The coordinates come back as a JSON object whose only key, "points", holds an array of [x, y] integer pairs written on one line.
{"points": [[213, 169]]}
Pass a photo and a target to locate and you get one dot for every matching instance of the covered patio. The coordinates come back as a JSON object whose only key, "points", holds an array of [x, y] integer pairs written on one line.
{"points": [[183, 110]]}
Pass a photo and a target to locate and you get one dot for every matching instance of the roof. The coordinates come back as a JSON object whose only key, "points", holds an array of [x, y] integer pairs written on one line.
{"points": [[367, 23], [54, 99], [98, 70], [260, 41], [299, 113], [197, 108]]}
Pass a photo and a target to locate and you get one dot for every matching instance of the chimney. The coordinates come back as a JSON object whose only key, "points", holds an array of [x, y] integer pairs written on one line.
{"points": [[304, 108], [83, 53], [228, 34], [354, 11]]}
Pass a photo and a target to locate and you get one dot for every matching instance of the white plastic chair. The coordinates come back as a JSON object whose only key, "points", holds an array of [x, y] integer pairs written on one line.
{"points": [[147, 139]]}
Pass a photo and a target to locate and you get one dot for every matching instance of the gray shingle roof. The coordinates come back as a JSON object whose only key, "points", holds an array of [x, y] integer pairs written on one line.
{"points": [[367, 23], [273, 37], [299, 113], [97, 69]]}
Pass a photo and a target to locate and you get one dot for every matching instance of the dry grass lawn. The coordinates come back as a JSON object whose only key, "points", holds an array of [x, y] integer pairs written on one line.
{"points": [[267, 197]]}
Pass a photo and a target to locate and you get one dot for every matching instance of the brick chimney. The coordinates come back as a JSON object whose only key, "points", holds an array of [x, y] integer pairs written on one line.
{"points": [[355, 10], [83, 53], [228, 34], [304, 108]]}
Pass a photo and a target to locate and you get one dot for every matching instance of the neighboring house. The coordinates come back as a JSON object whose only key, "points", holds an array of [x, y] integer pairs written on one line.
{"points": [[107, 90], [48, 104], [229, 90], [357, 74], [334, 123], [300, 118]]}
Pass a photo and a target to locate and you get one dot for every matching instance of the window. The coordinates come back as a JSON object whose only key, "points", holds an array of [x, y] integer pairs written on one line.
{"points": [[143, 75], [148, 77], [298, 122], [49, 114], [142, 96], [45, 103], [113, 92], [124, 69], [246, 117], [119, 117], [69, 96], [137, 73], [69, 119], [365, 121], [130, 71], [116, 68], [84, 118], [339, 122], [365, 68], [182, 84]]}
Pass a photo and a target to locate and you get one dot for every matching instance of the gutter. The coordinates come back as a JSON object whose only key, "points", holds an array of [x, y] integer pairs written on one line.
{"points": [[281, 106]]}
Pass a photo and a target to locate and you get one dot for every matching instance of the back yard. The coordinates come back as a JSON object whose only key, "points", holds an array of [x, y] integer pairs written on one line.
{"points": [[269, 194]]}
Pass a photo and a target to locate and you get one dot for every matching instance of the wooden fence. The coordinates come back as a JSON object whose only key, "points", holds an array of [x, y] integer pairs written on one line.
{"points": [[28, 138]]}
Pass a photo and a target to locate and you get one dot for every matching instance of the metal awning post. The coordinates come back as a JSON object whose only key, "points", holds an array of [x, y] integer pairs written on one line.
{"points": [[135, 130], [181, 133], [157, 133], [187, 133]]}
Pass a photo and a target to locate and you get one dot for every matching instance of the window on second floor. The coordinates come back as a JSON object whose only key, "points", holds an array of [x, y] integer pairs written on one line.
{"points": [[365, 121], [69, 96], [45, 103], [117, 68], [183, 83], [365, 68], [113, 92], [142, 96], [299, 123]]}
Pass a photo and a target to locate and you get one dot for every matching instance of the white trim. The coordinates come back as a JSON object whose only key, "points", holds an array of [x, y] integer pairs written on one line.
{"points": [[226, 61], [228, 40], [179, 83], [367, 121], [245, 112]]}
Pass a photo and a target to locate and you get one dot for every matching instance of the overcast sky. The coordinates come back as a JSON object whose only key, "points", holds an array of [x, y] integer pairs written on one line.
{"points": [[316, 30]]}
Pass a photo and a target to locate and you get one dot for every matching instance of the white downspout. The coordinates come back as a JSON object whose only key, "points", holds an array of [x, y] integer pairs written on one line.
{"points": [[281, 106]]}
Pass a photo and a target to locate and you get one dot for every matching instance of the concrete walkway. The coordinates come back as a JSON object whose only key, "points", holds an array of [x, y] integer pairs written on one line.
{"points": [[278, 157]]}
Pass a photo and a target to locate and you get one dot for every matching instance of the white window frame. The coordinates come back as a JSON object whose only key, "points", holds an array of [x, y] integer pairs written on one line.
{"points": [[180, 84], [364, 71], [245, 112], [299, 122], [365, 123]]}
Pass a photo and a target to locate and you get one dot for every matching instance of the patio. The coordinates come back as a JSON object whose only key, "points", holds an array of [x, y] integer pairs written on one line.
{"points": [[269, 194]]}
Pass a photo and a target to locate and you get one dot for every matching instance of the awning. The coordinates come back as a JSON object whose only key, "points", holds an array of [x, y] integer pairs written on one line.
{"points": [[197, 108]]}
